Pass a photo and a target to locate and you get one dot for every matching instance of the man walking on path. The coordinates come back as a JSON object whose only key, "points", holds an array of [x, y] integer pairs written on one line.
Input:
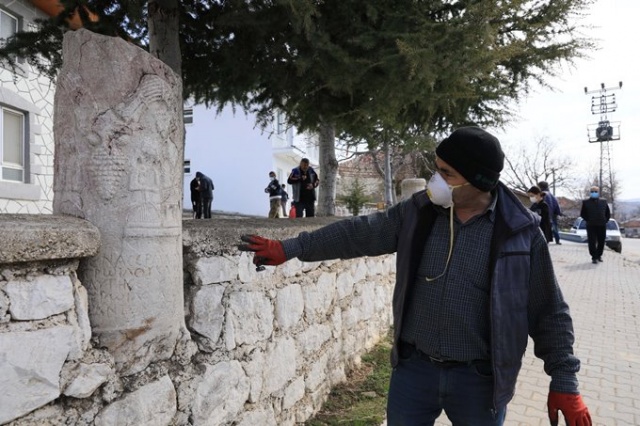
{"points": [[474, 278], [554, 209], [595, 211]]}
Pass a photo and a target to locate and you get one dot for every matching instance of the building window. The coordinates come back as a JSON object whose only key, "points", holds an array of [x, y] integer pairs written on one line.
{"points": [[12, 144], [8, 26], [187, 167], [187, 114]]}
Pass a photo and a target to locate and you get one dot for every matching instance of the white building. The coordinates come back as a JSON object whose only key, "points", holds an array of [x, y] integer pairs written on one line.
{"points": [[26, 124], [237, 155]]}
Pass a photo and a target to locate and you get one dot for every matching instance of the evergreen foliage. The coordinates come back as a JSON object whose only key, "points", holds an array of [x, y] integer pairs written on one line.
{"points": [[356, 197], [354, 66]]}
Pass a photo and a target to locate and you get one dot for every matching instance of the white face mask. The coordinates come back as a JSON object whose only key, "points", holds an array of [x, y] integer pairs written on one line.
{"points": [[440, 192], [272, 177], [533, 199]]}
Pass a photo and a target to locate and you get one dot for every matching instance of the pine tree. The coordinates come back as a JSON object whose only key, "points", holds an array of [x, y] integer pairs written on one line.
{"points": [[341, 67]]}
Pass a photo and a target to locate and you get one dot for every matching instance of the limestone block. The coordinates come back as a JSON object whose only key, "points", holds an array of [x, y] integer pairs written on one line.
{"points": [[4, 307], [88, 378], [213, 270], [221, 394], [30, 368], [265, 416], [254, 369], [46, 295], [365, 300], [81, 323], [351, 316], [316, 374], [344, 284], [247, 270], [280, 364], [374, 266], [289, 306], [359, 270], [207, 312], [293, 393], [318, 297], [389, 264], [250, 315], [336, 323], [310, 266], [153, 404], [312, 339], [30, 237], [291, 268]]}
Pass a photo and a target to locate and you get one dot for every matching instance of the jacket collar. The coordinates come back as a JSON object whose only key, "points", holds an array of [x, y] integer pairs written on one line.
{"points": [[514, 214]]}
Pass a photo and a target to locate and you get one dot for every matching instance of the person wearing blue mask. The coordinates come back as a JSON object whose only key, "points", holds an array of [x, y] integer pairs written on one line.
{"points": [[474, 279], [595, 211]]}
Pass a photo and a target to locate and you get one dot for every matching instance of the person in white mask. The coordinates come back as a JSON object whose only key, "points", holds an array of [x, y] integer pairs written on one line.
{"points": [[474, 280]]}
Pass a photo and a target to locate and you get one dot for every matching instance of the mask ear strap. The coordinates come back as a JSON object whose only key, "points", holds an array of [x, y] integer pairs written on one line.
{"points": [[450, 247]]}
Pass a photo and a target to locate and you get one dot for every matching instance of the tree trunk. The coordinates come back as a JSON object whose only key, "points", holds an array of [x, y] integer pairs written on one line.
{"points": [[164, 33], [328, 170], [388, 176]]}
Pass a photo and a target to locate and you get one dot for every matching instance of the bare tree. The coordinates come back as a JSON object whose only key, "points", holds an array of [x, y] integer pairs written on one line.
{"points": [[526, 167]]}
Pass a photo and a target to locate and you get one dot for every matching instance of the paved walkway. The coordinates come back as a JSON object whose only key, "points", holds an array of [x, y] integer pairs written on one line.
{"points": [[605, 305]]}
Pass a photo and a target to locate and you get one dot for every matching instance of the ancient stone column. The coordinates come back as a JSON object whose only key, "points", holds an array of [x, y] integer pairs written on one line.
{"points": [[118, 163], [408, 187]]}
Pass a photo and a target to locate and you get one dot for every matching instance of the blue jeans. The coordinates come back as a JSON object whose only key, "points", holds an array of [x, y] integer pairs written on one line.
{"points": [[420, 390]]}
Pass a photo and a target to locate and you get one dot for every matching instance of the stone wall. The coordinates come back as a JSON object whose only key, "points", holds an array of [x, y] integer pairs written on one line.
{"points": [[262, 348]]}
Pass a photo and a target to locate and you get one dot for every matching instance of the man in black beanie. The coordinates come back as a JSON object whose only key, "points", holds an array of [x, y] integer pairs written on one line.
{"points": [[474, 280]]}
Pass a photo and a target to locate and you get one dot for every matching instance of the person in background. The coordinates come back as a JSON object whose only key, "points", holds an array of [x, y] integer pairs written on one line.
{"points": [[304, 181], [595, 211], [275, 196], [196, 204], [206, 193], [474, 279], [554, 209], [539, 205], [285, 198]]}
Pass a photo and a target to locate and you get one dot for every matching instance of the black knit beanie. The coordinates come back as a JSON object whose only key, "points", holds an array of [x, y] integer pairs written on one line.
{"points": [[475, 154]]}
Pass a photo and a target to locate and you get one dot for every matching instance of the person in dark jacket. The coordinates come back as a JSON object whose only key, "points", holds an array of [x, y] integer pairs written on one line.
{"points": [[539, 205], [554, 209], [275, 196], [196, 203], [595, 211], [206, 193], [304, 181], [474, 279]]}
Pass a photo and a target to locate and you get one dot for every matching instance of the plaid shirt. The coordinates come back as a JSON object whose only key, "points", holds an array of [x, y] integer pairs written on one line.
{"points": [[449, 317]]}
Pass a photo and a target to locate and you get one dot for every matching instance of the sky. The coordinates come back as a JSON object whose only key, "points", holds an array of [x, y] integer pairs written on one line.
{"points": [[562, 114]]}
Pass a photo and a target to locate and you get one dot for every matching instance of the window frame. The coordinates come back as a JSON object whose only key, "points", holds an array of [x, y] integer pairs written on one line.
{"points": [[23, 145]]}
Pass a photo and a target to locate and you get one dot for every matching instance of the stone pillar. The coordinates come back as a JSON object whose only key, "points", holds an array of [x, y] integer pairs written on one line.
{"points": [[118, 163], [408, 187]]}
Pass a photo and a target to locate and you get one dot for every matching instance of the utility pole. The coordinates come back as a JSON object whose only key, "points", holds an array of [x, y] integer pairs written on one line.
{"points": [[604, 131]]}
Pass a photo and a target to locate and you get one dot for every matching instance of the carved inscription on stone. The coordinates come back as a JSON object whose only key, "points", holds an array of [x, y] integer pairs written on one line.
{"points": [[119, 152]]}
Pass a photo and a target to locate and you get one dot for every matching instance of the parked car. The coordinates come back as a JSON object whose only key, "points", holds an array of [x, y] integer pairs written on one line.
{"points": [[613, 240]]}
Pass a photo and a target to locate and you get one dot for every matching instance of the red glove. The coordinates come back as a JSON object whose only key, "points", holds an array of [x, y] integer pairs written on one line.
{"points": [[267, 252], [574, 411]]}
